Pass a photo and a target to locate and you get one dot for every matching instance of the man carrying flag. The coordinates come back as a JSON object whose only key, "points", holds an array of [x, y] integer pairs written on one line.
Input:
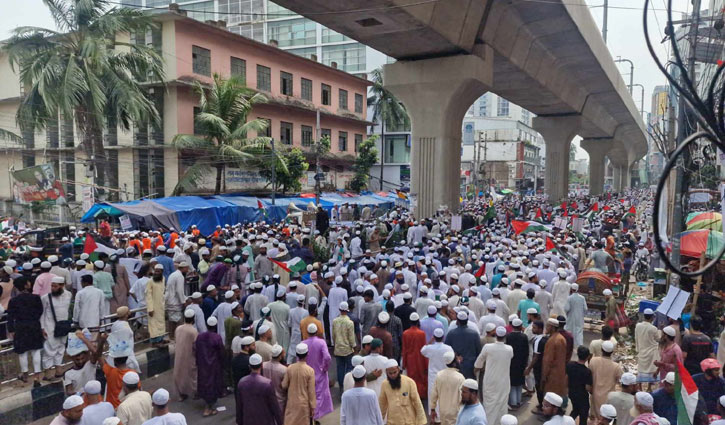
{"points": [[262, 209], [686, 395]]}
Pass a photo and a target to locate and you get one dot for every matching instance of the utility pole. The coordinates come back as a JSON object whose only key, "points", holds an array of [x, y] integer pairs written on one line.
{"points": [[317, 160], [604, 21], [274, 173], [474, 167], [631, 72]]}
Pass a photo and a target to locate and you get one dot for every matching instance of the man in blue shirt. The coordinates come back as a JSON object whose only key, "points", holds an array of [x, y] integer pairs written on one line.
{"points": [[664, 400], [472, 412], [710, 384], [165, 260]]}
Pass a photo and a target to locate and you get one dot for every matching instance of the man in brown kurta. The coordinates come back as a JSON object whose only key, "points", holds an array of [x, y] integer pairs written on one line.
{"points": [[299, 381], [553, 371], [275, 371], [122, 287], [185, 358], [605, 375]]}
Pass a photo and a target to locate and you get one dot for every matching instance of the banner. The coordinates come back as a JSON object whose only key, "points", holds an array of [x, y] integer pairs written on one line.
{"points": [[87, 193], [125, 222], [38, 184]]}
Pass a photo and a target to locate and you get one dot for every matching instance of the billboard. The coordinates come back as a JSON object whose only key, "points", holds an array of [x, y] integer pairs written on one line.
{"points": [[38, 184]]}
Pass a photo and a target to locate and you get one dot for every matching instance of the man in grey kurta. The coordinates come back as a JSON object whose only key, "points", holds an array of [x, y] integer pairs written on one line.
{"points": [[279, 315], [575, 308], [255, 302], [293, 322]]}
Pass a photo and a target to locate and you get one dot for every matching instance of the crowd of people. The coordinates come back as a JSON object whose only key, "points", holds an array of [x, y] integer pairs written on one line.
{"points": [[450, 319]]}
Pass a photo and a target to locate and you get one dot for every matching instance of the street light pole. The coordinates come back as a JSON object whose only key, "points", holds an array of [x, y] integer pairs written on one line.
{"points": [[631, 71]]}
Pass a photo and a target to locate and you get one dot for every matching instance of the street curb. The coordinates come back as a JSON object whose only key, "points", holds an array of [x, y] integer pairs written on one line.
{"points": [[47, 400]]}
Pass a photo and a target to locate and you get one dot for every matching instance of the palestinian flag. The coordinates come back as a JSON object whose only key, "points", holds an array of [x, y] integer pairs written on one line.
{"points": [[481, 270], [606, 208], [295, 265], [550, 246], [490, 213], [260, 207], [632, 212], [686, 395], [528, 226], [593, 211], [93, 248], [90, 245], [538, 215]]}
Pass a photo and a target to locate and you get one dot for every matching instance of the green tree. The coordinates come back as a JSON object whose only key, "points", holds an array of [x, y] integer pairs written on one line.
{"points": [[84, 71], [223, 130], [290, 170], [367, 156], [387, 111]]}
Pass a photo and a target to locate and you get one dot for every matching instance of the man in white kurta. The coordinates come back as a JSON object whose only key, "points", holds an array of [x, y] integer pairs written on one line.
{"points": [[496, 360], [359, 404], [222, 312], [374, 361], [88, 304], [54, 348], [336, 296], [293, 322], [646, 339], [435, 353], [559, 295], [445, 394], [575, 308]]}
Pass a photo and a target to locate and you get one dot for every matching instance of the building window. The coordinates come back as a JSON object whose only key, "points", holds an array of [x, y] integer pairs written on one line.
{"points": [[343, 99], [525, 116], [358, 140], [306, 86], [239, 69], [52, 134], [326, 132], [201, 60], [330, 36], [305, 52], [306, 135], [267, 131], [503, 107], [295, 32], [326, 94], [264, 78], [197, 127], [358, 103], [285, 132], [203, 11], [66, 131], [342, 141], [285, 83], [483, 106], [349, 57]]}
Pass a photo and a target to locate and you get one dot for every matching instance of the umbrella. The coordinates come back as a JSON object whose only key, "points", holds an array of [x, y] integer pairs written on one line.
{"points": [[601, 281], [694, 242], [704, 220]]}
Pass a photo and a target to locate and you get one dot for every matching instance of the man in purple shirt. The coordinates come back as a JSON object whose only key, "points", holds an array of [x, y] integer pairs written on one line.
{"points": [[215, 275], [430, 323], [318, 358], [256, 401]]}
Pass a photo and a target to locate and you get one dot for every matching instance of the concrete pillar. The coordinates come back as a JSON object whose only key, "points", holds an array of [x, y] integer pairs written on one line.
{"points": [[437, 93], [597, 150], [558, 133], [617, 178]]}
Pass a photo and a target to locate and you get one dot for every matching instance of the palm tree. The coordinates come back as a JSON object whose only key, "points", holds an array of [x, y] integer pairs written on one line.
{"points": [[387, 109], [84, 71], [223, 132]]}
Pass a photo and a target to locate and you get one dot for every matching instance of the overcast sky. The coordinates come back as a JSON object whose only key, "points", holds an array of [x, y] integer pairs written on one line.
{"points": [[625, 34]]}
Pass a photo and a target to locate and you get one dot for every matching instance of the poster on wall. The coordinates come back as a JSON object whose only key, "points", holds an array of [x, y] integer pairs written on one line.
{"points": [[38, 184], [87, 193]]}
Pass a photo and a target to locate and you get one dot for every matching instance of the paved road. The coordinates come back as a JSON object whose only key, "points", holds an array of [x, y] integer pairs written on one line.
{"points": [[193, 409]]}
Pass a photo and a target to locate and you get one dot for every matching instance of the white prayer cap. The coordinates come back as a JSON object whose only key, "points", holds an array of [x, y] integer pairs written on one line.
{"points": [[456, 289], [424, 289], [491, 305], [471, 384], [608, 411], [628, 379], [234, 287], [161, 248], [312, 301], [99, 264], [160, 397], [358, 371], [607, 346], [72, 401], [196, 295], [183, 264], [131, 378], [516, 322], [407, 296], [607, 292], [662, 421], [58, 279], [383, 317], [92, 387], [648, 312], [265, 328], [292, 284], [448, 356], [236, 344], [490, 327], [45, 265], [554, 399], [338, 279], [574, 287], [552, 321], [255, 360], [11, 263], [532, 310], [500, 332], [357, 360], [247, 340], [721, 399], [234, 305], [543, 283], [414, 317], [644, 399], [189, 313], [391, 363], [302, 348], [280, 291], [670, 379], [229, 294], [111, 421], [311, 328], [669, 330], [462, 315], [344, 306], [432, 309], [367, 339], [266, 310], [53, 259], [509, 420], [444, 302], [211, 321], [496, 291], [438, 332], [512, 317]]}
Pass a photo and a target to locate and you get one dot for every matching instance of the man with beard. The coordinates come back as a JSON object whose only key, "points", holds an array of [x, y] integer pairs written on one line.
{"points": [[185, 359], [359, 404], [495, 360], [552, 408], [174, 297], [240, 362], [445, 393], [299, 381], [155, 306], [83, 369], [472, 412], [56, 306], [71, 413], [399, 400], [262, 264]]}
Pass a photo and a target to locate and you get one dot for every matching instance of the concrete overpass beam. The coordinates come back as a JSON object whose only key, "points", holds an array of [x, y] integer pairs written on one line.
{"points": [[597, 150], [558, 133], [437, 93]]}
